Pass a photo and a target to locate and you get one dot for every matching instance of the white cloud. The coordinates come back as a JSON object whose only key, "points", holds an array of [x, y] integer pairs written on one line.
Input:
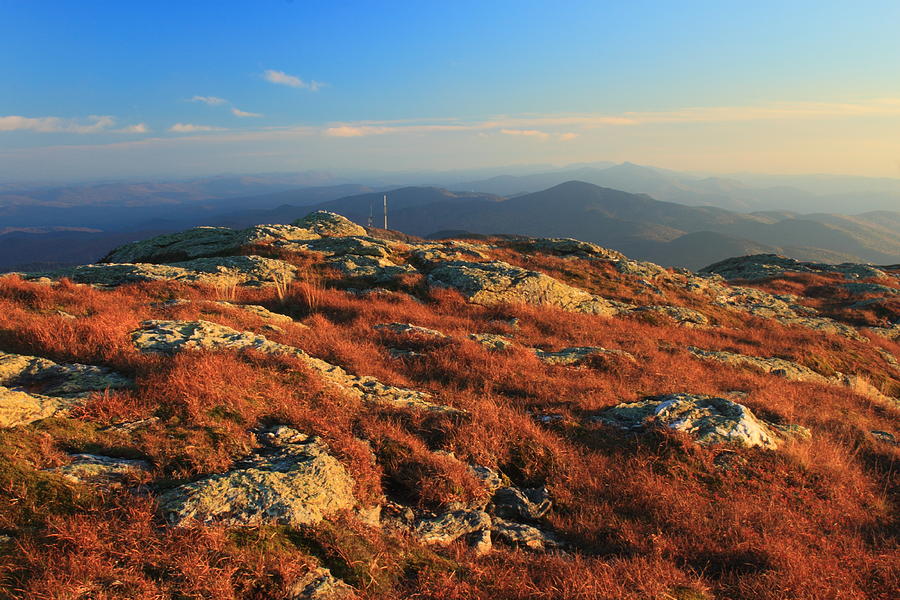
{"points": [[241, 113], [210, 100], [189, 128], [139, 128], [282, 78], [541, 135], [347, 131], [95, 124]]}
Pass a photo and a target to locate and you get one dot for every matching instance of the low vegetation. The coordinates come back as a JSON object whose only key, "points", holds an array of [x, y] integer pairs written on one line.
{"points": [[641, 514]]}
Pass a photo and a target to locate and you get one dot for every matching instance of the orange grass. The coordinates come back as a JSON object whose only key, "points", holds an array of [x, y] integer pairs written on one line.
{"points": [[650, 515]]}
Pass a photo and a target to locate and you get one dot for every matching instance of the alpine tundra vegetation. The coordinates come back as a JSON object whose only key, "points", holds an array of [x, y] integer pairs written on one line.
{"points": [[322, 410]]}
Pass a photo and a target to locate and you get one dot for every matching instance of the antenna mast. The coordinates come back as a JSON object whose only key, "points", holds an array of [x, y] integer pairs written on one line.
{"points": [[385, 211], [371, 212]]}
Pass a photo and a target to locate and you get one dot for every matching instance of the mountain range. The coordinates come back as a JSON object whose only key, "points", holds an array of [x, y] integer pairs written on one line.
{"points": [[667, 217]]}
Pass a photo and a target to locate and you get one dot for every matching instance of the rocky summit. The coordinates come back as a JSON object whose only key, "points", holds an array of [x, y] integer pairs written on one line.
{"points": [[324, 410]]}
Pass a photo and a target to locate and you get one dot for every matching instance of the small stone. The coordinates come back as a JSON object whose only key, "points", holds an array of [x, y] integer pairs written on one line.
{"points": [[320, 584], [329, 224], [492, 341], [521, 503], [578, 354], [710, 420], [410, 330], [99, 470], [450, 526], [292, 482], [480, 542], [524, 536]]}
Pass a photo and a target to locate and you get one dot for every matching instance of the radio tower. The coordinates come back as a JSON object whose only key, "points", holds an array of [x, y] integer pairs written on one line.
{"points": [[371, 213], [385, 211]]}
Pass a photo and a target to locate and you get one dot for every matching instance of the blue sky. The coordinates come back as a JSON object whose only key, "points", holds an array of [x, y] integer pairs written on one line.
{"points": [[107, 89]]}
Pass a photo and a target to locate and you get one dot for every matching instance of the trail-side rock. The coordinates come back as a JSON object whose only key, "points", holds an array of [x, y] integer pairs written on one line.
{"points": [[329, 224], [411, 330], [765, 266], [50, 388], [776, 366], [891, 333], [640, 269], [492, 341], [860, 288], [450, 526], [292, 481], [260, 311], [201, 242], [369, 269], [517, 504], [222, 271], [20, 408], [427, 256], [320, 584], [480, 542], [168, 337], [524, 536], [570, 247], [50, 378], [783, 308], [578, 354], [106, 471], [491, 479], [497, 282], [709, 419], [686, 317], [359, 257]]}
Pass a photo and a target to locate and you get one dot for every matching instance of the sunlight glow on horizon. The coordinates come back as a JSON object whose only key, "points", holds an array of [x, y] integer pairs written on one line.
{"points": [[696, 87]]}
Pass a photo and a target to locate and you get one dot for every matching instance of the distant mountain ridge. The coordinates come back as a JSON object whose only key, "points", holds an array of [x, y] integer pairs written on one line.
{"points": [[724, 192], [690, 232]]}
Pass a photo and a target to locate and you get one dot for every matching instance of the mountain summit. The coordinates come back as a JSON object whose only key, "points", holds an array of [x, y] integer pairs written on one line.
{"points": [[324, 411]]}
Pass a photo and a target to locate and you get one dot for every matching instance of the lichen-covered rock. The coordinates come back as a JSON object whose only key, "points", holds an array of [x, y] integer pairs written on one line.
{"points": [[169, 337], [781, 307], [641, 269], [106, 471], [859, 288], [219, 271], [201, 242], [57, 379], [292, 481], [765, 266], [496, 282], [410, 330], [776, 366], [491, 479], [450, 526], [52, 388], [578, 354], [710, 420], [329, 224], [432, 255], [515, 503], [20, 408], [320, 584], [480, 542], [492, 341], [260, 311], [686, 317], [524, 536], [171, 247], [570, 247]]}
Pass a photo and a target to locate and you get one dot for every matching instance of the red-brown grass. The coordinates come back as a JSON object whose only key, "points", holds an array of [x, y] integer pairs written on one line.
{"points": [[648, 515]]}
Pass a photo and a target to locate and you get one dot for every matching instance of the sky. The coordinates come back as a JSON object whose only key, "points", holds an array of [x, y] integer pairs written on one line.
{"points": [[113, 89]]}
